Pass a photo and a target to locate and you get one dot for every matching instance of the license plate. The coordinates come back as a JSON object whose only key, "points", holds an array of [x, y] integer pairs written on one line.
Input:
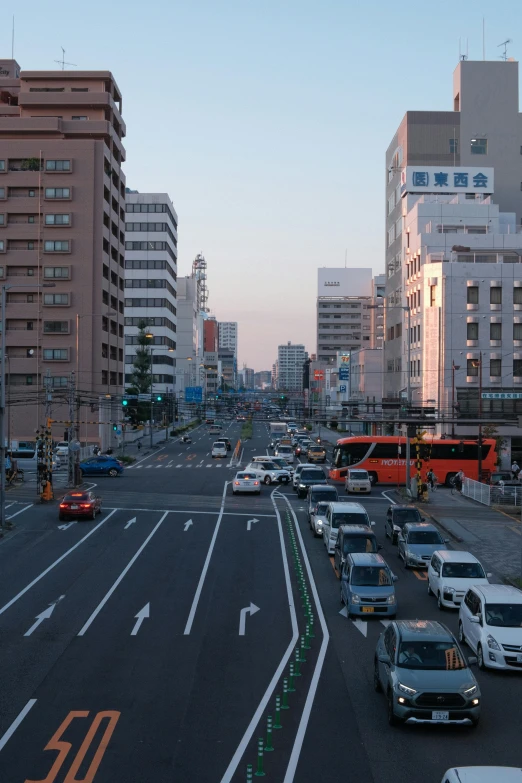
{"points": [[440, 715], [367, 608], [356, 489], [519, 658]]}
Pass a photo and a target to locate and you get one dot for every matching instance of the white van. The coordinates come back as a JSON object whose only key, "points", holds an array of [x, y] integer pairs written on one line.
{"points": [[357, 480], [219, 449], [342, 514], [451, 573], [490, 621]]}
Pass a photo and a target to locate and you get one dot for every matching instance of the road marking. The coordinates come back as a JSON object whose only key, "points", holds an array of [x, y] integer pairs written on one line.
{"points": [[199, 588], [344, 611], [208, 466], [130, 522], [191, 456], [251, 522], [142, 614], [45, 615], [137, 466], [161, 466], [64, 527], [393, 502], [421, 576], [514, 529], [178, 466], [148, 466], [361, 626], [14, 725], [56, 562], [238, 755], [120, 578], [11, 516], [187, 525], [252, 609]]}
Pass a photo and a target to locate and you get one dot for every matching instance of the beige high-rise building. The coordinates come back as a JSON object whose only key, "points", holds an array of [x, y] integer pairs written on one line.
{"points": [[62, 243]]}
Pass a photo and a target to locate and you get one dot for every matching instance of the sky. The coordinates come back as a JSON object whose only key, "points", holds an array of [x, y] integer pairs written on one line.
{"points": [[267, 122]]}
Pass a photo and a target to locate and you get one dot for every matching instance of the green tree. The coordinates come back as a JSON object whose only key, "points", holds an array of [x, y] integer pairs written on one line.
{"points": [[141, 380]]}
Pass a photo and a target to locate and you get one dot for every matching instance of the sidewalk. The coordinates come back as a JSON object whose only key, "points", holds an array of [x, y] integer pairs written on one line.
{"points": [[492, 536]]}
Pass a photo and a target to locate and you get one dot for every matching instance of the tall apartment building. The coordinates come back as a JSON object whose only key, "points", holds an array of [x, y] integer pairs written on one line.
{"points": [[210, 335], [228, 336], [447, 152], [262, 379], [344, 322], [188, 356], [151, 239], [376, 313], [62, 224], [290, 367]]}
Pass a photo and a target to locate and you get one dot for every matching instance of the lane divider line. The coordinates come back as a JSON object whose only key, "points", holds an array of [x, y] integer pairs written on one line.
{"points": [[17, 721], [120, 578], [56, 562], [11, 516]]}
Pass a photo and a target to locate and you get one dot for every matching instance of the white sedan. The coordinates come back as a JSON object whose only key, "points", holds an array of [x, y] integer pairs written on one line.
{"points": [[246, 481]]}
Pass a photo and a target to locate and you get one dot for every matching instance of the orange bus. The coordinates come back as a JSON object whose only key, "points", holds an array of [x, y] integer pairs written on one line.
{"points": [[384, 458]]}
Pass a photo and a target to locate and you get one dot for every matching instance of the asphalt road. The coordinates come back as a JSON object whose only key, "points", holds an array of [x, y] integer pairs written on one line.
{"points": [[149, 645]]}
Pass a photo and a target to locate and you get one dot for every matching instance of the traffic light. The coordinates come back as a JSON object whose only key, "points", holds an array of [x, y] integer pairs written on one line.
{"points": [[124, 403], [114, 427], [159, 398]]}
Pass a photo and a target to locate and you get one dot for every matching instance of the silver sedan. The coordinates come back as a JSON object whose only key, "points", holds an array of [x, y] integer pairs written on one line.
{"points": [[246, 482]]}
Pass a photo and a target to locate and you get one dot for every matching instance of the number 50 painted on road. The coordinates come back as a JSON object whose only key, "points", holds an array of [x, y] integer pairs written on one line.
{"points": [[64, 748]]}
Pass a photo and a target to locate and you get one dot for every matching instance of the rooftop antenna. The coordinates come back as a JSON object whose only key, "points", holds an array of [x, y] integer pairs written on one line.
{"points": [[505, 43], [462, 56], [62, 62], [12, 41], [483, 37], [345, 257]]}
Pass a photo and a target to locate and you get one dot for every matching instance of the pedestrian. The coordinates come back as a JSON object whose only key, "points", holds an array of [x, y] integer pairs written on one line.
{"points": [[139, 445], [515, 469], [431, 478], [459, 478]]}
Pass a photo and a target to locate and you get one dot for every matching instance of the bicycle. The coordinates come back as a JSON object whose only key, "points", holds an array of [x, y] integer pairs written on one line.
{"points": [[15, 477], [454, 487]]}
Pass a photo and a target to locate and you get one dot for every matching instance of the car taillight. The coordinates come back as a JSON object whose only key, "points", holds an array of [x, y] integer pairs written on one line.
{"points": [[63, 505], [256, 483], [85, 505], [236, 483]]}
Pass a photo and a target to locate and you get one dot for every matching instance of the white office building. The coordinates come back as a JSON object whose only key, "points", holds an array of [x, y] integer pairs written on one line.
{"points": [[228, 336], [151, 282], [290, 365]]}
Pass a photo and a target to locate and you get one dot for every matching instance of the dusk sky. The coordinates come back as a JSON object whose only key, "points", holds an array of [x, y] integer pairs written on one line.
{"points": [[267, 123]]}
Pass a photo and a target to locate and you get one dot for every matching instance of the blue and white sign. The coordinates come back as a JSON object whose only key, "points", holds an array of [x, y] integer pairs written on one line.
{"points": [[433, 179], [342, 388], [194, 394], [344, 373]]}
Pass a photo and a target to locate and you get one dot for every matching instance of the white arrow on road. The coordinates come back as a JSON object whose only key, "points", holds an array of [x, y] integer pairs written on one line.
{"points": [[252, 609], [251, 522], [130, 522], [188, 524], [43, 616], [142, 614], [361, 626], [64, 527]]}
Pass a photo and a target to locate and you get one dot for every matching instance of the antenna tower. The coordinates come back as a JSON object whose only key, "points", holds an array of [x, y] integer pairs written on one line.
{"points": [[62, 62], [199, 273], [504, 55]]}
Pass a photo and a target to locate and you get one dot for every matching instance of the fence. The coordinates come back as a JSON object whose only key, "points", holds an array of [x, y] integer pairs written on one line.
{"points": [[493, 495]]}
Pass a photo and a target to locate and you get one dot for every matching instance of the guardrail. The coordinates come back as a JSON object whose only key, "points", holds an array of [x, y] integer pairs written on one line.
{"points": [[493, 494]]}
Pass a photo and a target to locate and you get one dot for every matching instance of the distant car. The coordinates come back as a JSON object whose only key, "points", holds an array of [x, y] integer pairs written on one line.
{"points": [[79, 504], [284, 451], [311, 474], [240, 418], [396, 517], [246, 482], [302, 446], [424, 675], [320, 493], [451, 573], [367, 585], [297, 472], [103, 465], [352, 539], [282, 464], [219, 449], [209, 420], [268, 472], [227, 443], [490, 621], [316, 454], [215, 429], [317, 518], [417, 542], [62, 449], [357, 481]]}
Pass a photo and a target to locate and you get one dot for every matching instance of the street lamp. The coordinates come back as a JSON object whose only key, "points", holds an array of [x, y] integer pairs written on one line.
{"points": [[453, 368], [478, 364], [150, 336]]}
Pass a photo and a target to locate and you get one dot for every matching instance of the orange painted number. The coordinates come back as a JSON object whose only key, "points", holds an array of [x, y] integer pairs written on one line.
{"points": [[64, 748]]}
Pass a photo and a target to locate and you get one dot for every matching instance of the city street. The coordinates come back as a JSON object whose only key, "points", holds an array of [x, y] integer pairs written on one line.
{"points": [[149, 645]]}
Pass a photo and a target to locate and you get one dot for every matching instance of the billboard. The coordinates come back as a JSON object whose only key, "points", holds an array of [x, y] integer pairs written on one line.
{"points": [[344, 281], [447, 179], [194, 394]]}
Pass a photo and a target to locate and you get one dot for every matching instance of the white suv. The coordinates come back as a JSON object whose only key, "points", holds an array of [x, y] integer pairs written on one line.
{"points": [[269, 464], [219, 449], [490, 621], [267, 472], [342, 514], [451, 573]]}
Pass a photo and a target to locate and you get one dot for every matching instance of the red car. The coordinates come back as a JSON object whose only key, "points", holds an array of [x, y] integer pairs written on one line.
{"points": [[79, 504]]}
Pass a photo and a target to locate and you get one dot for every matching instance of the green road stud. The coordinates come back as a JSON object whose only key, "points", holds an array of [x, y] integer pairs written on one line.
{"points": [[277, 722], [284, 702], [268, 747], [291, 688], [260, 772]]}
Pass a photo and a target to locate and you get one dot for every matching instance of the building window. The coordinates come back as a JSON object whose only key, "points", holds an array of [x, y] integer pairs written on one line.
{"points": [[56, 327], [479, 146], [58, 165], [495, 331], [57, 193], [453, 146], [433, 295], [56, 271], [517, 368], [57, 220], [472, 331], [495, 295], [56, 299], [60, 246], [517, 331], [2, 165], [2, 220], [2, 193], [55, 354], [391, 235], [495, 367], [2, 246], [473, 294], [59, 380], [517, 295], [472, 368], [79, 117]]}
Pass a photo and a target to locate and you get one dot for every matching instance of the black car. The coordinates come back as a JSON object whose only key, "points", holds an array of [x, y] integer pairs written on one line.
{"points": [[397, 517], [226, 441], [308, 477]]}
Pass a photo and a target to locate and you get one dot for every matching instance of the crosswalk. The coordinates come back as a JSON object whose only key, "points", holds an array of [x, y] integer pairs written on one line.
{"points": [[181, 465]]}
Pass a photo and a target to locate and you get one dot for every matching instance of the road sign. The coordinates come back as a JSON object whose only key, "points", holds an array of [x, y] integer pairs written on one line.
{"points": [[344, 373], [342, 388], [194, 394]]}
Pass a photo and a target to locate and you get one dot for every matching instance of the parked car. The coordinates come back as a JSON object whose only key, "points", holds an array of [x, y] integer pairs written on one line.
{"points": [[319, 493], [367, 585], [424, 675], [227, 443], [310, 474], [396, 517], [246, 482], [79, 504], [297, 472], [102, 465], [417, 542], [353, 538], [450, 573], [490, 621], [219, 449], [316, 454], [357, 480], [268, 472], [62, 449], [338, 514]]}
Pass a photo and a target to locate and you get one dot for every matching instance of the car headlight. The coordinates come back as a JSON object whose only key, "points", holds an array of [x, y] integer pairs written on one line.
{"points": [[470, 691], [390, 599], [449, 589], [356, 599], [492, 643], [396, 529], [406, 689], [318, 522], [302, 486]]}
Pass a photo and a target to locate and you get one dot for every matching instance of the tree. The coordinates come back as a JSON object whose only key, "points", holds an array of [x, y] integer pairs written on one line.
{"points": [[141, 380]]}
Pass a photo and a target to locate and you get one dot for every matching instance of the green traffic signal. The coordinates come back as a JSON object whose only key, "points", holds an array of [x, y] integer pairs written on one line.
{"points": [[114, 427], [125, 403], [159, 397]]}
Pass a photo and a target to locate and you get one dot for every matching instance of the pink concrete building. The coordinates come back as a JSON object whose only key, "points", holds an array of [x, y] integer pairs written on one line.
{"points": [[62, 222]]}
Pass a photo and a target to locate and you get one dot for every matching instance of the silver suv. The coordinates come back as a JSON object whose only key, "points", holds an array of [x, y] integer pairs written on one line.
{"points": [[425, 676]]}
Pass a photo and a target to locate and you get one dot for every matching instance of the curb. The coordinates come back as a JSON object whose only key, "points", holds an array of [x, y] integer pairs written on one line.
{"points": [[423, 510]]}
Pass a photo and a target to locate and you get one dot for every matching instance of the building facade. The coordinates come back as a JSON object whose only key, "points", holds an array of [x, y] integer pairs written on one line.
{"points": [[151, 234], [262, 379], [344, 320], [290, 364], [62, 227], [210, 335], [228, 336]]}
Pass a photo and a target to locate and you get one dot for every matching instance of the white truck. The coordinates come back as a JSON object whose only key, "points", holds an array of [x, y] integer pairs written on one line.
{"points": [[277, 428]]}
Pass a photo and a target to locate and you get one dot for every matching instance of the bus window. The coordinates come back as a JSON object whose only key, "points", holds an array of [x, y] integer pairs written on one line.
{"points": [[350, 454], [386, 451]]}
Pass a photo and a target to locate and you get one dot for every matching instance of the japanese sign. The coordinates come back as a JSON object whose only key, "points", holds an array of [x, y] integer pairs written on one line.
{"points": [[193, 394], [344, 373], [433, 179], [502, 395]]}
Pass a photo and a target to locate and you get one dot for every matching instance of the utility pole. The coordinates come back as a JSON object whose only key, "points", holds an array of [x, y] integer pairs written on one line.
{"points": [[2, 416], [480, 420], [408, 396], [71, 456]]}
